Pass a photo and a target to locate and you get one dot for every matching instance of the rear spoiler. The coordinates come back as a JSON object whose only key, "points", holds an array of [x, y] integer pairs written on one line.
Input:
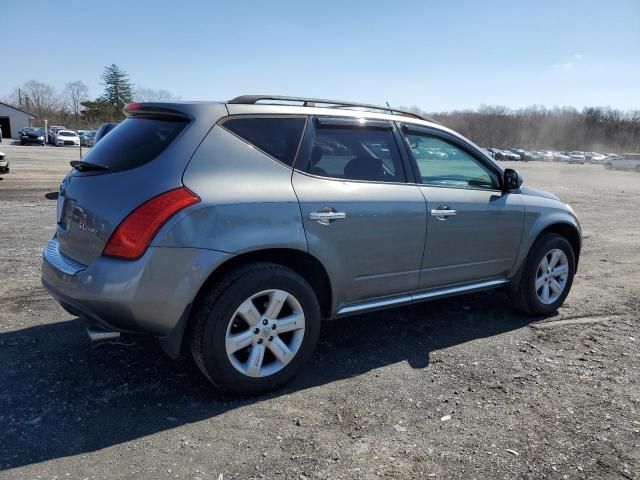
{"points": [[155, 110]]}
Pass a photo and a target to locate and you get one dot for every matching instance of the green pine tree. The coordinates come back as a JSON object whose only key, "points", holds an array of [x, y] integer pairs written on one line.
{"points": [[118, 89]]}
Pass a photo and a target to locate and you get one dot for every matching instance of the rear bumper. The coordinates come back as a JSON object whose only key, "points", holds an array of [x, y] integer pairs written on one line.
{"points": [[149, 295]]}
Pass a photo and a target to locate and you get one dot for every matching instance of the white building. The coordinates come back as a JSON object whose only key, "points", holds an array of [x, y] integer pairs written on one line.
{"points": [[13, 119]]}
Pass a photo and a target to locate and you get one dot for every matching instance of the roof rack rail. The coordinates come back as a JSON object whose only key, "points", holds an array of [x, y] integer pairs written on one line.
{"points": [[312, 102]]}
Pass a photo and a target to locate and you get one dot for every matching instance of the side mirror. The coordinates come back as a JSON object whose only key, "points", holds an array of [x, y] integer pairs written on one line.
{"points": [[511, 179]]}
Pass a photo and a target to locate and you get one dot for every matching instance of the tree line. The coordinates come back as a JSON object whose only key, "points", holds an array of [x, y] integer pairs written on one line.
{"points": [[599, 129], [73, 107]]}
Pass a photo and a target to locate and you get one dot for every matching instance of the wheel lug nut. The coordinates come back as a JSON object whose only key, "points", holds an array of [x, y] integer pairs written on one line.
{"points": [[271, 338], [265, 321], [273, 327], [256, 331], [260, 341]]}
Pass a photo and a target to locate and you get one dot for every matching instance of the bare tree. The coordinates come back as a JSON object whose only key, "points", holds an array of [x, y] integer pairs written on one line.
{"points": [[76, 93], [41, 99], [143, 94]]}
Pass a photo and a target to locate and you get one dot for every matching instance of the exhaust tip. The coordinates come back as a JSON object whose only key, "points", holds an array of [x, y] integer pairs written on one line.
{"points": [[99, 335]]}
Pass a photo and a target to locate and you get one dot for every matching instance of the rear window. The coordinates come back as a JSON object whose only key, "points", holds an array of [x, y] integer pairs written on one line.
{"points": [[134, 142], [278, 137]]}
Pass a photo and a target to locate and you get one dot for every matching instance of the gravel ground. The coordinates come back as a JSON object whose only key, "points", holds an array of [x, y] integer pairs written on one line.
{"points": [[457, 388]]}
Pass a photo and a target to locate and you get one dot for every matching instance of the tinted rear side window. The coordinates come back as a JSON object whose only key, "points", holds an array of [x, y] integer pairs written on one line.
{"points": [[278, 137], [134, 142]]}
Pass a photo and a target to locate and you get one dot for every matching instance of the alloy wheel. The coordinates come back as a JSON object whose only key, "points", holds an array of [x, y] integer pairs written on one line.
{"points": [[551, 276], [265, 333]]}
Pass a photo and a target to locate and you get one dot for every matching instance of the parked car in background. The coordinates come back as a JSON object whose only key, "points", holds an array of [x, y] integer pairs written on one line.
{"points": [[32, 136], [536, 156], [238, 226], [4, 163], [53, 131], [626, 161], [560, 157], [596, 158], [103, 130], [547, 155], [499, 154], [86, 137], [576, 157], [511, 156], [67, 137]]}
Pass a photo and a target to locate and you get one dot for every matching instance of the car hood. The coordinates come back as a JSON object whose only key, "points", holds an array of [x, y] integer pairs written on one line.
{"points": [[532, 192]]}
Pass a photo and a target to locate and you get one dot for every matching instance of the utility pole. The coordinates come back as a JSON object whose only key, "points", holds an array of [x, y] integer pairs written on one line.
{"points": [[20, 98]]}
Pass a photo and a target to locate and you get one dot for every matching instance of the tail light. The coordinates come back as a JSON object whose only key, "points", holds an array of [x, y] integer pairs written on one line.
{"points": [[133, 235]]}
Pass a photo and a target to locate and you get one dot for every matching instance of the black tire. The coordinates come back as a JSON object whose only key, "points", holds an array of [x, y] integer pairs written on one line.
{"points": [[213, 314], [524, 292]]}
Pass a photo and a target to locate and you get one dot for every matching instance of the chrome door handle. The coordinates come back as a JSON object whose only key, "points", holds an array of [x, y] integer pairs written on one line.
{"points": [[326, 215], [442, 214]]}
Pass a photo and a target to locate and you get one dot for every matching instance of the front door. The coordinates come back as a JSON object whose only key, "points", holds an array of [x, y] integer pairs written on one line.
{"points": [[473, 227], [362, 220]]}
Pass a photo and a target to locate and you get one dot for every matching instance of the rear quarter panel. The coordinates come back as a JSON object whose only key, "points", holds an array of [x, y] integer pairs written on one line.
{"points": [[247, 200]]}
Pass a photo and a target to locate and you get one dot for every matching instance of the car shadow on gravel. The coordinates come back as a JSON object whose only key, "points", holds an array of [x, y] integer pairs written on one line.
{"points": [[62, 396]]}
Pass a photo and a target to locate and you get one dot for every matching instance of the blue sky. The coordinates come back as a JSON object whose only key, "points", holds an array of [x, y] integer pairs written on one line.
{"points": [[437, 55]]}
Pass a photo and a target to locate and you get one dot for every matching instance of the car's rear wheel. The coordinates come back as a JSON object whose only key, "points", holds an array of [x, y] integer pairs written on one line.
{"points": [[256, 328], [546, 277]]}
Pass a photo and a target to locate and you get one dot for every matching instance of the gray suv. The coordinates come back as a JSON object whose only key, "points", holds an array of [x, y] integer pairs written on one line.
{"points": [[233, 228]]}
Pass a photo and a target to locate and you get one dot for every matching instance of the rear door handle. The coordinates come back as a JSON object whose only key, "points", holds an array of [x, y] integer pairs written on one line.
{"points": [[326, 215], [442, 214]]}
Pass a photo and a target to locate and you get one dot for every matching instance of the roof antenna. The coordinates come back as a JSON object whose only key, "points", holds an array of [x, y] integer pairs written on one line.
{"points": [[390, 109]]}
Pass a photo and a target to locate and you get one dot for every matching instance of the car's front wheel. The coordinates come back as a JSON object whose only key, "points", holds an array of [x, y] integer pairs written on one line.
{"points": [[546, 277], [256, 328]]}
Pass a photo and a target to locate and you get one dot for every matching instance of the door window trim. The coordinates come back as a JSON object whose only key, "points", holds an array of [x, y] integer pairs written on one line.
{"points": [[301, 163], [484, 162]]}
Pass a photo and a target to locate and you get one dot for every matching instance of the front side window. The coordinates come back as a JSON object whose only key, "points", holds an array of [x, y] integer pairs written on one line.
{"points": [[278, 137], [444, 164], [355, 154]]}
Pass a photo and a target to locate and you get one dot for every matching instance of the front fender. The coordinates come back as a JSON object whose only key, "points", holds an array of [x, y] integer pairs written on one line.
{"points": [[542, 214]]}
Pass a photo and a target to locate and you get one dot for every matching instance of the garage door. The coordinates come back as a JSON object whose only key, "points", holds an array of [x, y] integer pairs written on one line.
{"points": [[6, 127]]}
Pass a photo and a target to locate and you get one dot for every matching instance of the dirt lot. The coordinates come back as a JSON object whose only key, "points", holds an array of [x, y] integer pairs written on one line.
{"points": [[459, 388]]}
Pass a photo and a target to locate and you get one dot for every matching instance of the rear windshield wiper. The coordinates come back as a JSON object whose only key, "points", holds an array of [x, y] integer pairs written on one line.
{"points": [[83, 166]]}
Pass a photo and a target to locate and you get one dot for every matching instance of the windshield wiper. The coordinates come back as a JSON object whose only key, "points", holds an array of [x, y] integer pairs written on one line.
{"points": [[83, 166]]}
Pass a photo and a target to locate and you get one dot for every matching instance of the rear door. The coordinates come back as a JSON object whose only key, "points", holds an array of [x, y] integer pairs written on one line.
{"points": [[362, 219], [473, 228]]}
